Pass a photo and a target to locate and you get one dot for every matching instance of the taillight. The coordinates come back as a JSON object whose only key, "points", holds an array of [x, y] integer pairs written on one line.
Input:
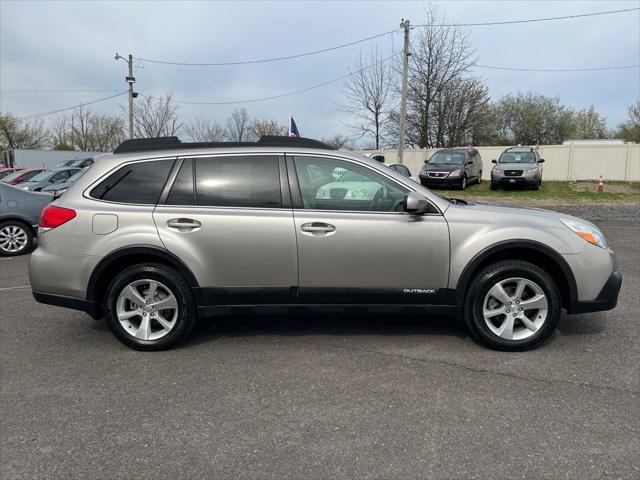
{"points": [[53, 216]]}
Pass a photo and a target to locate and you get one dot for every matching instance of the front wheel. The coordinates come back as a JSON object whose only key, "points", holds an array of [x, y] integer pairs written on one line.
{"points": [[15, 238], [149, 307], [512, 305], [480, 177], [493, 186], [463, 182]]}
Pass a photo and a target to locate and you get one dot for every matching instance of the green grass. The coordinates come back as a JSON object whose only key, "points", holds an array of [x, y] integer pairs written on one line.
{"points": [[553, 193]]}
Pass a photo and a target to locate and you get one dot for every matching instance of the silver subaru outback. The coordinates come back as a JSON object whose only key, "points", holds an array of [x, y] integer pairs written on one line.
{"points": [[162, 232]]}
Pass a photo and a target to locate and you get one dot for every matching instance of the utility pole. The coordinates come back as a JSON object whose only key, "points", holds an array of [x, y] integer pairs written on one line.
{"points": [[130, 79], [405, 74]]}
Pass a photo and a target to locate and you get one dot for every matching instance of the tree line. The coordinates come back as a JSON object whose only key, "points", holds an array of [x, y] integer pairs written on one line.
{"points": [[446, 106]]}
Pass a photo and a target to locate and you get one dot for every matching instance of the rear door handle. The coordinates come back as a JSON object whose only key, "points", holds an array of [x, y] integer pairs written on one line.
{"points": [[183, 224], [318, 228]]}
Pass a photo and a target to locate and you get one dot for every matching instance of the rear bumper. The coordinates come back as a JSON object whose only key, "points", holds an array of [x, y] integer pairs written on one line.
{"points": [[73, 303], [606, 299]]}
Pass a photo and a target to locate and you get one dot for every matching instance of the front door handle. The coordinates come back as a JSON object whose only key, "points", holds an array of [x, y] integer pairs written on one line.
{"points": [[183, 224], [318, 228]]}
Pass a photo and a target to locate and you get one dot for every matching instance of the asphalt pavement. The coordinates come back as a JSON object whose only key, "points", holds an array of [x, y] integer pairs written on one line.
{"points": [[303, 395]]}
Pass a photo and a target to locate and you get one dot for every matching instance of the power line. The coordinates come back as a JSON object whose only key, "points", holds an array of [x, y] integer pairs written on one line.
{"points": [[560, 70], [265, 60], [302, 90], [344, 45], [530, 20], [38, 115], [58, 91]]}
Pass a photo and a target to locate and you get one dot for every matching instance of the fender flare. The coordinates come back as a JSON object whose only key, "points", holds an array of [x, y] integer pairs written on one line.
{"points": [[479, 258]]}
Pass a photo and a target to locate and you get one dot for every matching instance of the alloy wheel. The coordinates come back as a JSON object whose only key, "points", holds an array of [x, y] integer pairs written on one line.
{"points": [[147, 309], [13, 238], [515, 308]]}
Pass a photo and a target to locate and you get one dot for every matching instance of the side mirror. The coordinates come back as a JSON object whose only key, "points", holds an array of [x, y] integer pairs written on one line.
{"points": [[415, 203], [470, 162], [379, 158], [426, 160], [494, 161], [541, 160]]}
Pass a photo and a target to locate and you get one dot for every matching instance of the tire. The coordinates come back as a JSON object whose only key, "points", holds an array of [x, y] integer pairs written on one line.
{"points": [[493, 186], [501, 331], [15, 238], [536, 186], [463, 182], [480, 177], [144, 326]]}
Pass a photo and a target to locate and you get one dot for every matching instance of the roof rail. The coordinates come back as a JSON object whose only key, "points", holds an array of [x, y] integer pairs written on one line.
{"points": [[171, 143]]}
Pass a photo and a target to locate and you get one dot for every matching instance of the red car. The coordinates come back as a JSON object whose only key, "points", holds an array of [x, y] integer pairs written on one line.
{"points": [[21, 175], [4, 171]]}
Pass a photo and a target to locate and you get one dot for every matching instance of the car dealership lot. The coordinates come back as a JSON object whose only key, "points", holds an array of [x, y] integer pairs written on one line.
{"points": [[302, 395]]}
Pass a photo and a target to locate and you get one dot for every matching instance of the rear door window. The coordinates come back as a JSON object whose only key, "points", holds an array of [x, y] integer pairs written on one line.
{"points": [[251, 181], [138, 183]]}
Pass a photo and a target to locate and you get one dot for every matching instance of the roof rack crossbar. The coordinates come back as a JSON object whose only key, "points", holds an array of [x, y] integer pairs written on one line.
{"points": [[174, 143]]}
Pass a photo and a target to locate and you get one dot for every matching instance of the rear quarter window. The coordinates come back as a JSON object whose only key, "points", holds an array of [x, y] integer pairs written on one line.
{"points": [[139, 183]]}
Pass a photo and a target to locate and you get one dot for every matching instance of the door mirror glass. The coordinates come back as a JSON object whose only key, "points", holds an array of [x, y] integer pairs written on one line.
{"points": [[415, 203]]}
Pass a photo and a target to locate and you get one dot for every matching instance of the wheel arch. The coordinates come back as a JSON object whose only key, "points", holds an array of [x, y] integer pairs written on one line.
{"points": [[131, 255], [24, 220], [527, 250]]}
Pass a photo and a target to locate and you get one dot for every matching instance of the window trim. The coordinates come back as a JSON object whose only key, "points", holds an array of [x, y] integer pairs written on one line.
{"points": [[296, 193], [86, 191]]}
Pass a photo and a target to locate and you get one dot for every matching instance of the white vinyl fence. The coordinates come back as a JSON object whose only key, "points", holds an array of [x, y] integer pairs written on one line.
{"points": [[562, 162]]}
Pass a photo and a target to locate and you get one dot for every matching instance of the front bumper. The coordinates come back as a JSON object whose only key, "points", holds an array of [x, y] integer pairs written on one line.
{"points": [[500, 178], [440, 181], [606, 299]]}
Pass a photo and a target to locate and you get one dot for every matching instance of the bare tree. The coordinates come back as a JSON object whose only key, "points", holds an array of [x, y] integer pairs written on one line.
{"points": [[441, 55], [368, 95], [156, 117], [203, 130], [460, 111], [16, 133], [267, 127], [87, 131], [238, 127], [340, 142]]}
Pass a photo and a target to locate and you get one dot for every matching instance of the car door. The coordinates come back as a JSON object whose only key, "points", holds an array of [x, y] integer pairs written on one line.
{"points": [[356, 245], [229, 219]]}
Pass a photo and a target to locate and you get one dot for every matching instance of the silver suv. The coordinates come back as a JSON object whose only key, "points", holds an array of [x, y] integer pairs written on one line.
{"points": [[517, 167], [162, 232]]}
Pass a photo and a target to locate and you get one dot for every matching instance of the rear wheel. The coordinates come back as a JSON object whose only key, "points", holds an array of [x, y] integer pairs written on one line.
{"points": [[512, 305], [149, 307], [15, 238]]}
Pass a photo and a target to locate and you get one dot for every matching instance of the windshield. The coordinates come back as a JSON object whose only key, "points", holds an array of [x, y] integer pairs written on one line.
{"points": [[451, 158], [517, 157], [43, 176]]}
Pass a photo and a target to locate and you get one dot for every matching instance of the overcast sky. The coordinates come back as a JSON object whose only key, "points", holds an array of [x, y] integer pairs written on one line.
{"points": [[54, 45]]}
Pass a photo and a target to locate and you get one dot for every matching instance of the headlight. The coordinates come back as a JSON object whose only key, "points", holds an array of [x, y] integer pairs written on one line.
{"points": [[591, 234], [455, 173], [531, 170]]}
